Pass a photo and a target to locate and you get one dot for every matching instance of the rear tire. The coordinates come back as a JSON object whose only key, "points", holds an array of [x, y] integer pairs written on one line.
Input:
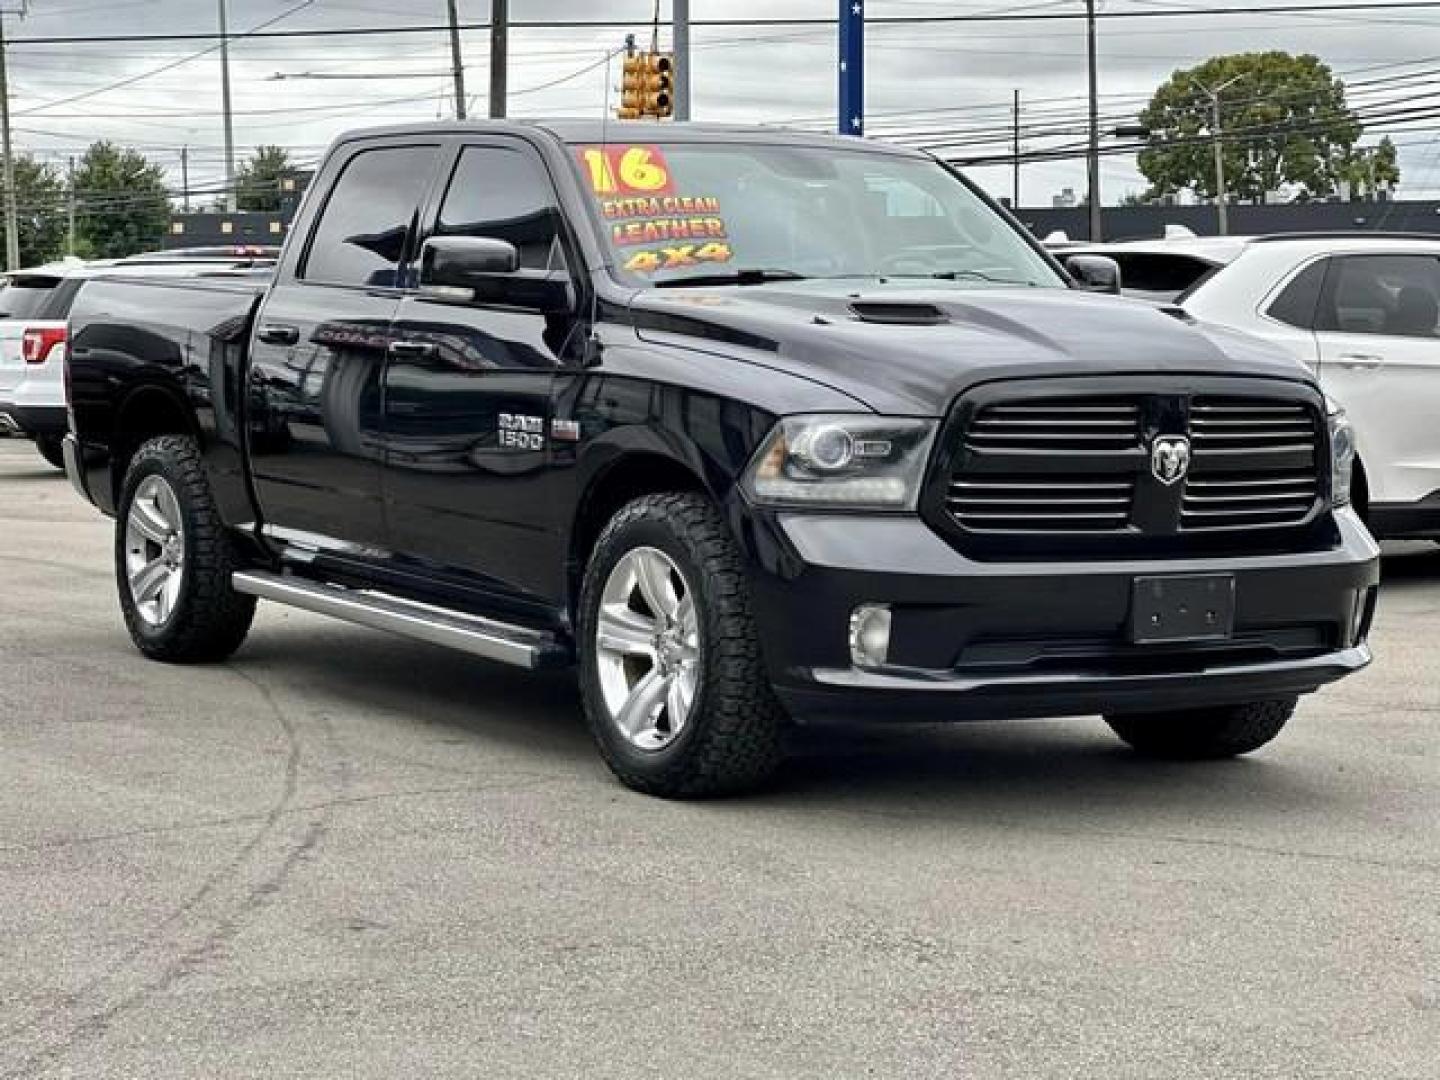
{"points": [[1200, 734], [52, 449], [174, 559], [715, 726]]}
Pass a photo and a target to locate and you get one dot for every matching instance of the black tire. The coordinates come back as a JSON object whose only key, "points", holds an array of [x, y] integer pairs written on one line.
{"points": [[209, 619], [1200, 734], [732, 741], [52, 449]]}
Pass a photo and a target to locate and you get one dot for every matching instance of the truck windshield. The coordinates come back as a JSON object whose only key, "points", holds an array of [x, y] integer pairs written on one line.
{"points": [[754, 213]]}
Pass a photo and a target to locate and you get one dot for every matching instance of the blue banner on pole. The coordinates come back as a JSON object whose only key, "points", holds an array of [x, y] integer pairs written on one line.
{"points": [[852, 67]]}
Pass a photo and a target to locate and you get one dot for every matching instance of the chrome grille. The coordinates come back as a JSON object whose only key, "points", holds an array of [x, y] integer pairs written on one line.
{"points": [[1236, 425], [1023, 504], [1082, 424]]}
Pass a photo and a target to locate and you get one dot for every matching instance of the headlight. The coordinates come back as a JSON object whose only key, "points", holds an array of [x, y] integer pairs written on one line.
{"points": [[1342, 452], [869, 462]]}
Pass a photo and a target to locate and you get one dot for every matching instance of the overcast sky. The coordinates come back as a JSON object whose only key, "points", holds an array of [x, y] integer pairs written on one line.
{"points": [[946, 76]]}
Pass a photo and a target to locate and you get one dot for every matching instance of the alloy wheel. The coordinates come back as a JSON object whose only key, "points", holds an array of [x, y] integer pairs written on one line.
{"points": [[648, 649], [154, 550]]}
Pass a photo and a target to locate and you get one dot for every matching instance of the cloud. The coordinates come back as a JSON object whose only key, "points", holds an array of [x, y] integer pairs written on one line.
{"points": [[930, 78]]}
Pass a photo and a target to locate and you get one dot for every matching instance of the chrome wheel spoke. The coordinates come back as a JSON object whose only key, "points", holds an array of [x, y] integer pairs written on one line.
{"points": [[147, 583], [169, 507], [147, 520], [652, 576], [677, 704], [625, 631], [637, 716]]}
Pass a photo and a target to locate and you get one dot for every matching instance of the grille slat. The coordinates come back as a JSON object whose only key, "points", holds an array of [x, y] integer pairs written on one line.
{"points": [[1082, 425], [1080, 467]]}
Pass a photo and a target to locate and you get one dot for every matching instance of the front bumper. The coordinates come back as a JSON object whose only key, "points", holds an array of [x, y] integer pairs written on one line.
{"points": [[983, 640]]}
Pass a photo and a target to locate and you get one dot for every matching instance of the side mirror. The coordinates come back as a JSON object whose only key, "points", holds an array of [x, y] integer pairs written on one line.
{"points": [[1095, 273], [486, 270]]}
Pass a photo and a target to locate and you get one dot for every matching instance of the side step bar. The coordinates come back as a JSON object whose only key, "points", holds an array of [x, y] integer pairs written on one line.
{"points": [[473, 634]]}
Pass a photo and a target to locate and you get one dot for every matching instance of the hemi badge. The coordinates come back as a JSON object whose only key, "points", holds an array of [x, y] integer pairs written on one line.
{"points": [[565, 430]]}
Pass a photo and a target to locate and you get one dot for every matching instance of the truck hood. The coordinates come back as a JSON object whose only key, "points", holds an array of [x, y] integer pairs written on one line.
{"points": [[904, 350]]}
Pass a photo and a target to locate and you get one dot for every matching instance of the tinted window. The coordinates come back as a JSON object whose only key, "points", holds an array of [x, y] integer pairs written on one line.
{"points": [[503, 195], [24, 297], [1394, 295], [362, 229], [1157, 275], [1297, 302]]}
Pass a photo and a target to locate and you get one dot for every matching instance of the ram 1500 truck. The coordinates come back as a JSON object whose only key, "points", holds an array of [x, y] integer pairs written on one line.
{"points": [[752, 427]]}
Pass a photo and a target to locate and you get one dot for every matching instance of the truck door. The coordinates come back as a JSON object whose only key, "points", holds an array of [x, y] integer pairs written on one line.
{"points": [[1379, 334], [314, 412], [468, 388]]}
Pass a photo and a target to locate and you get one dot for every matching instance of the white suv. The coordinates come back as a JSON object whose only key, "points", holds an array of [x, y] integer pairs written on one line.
{"points": [[34, 307], [1363, 310]]}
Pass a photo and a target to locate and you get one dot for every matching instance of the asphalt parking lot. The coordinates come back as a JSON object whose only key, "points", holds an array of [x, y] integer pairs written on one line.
{"points": [[343, 854]]}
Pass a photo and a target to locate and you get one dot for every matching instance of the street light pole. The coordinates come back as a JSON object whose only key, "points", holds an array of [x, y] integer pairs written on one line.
{"points": [[12, 215], [231, 201], [499, 55], [1093, 153], [457, 61], [1222, 215], [680, 40]]}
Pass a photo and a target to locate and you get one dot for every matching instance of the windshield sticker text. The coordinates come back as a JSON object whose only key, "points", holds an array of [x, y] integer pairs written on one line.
{"points": [[626, 170]]}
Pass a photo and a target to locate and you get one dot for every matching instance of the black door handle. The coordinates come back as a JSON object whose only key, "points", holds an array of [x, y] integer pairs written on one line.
{"points": [[413, 350], [278, 334]]}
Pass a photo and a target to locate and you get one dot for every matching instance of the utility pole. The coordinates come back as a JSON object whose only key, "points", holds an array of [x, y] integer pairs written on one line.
{"points": [[457, 60], [1092, 159], [12, 216], [851, 120], [499, 53], [1222, 214], [70, 208], [1015, 180], [680, 42], [184, 177], [231, 202]]}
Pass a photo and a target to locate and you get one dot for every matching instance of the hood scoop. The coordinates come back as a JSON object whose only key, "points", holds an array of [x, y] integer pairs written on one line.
{"points": [[898, 313]]}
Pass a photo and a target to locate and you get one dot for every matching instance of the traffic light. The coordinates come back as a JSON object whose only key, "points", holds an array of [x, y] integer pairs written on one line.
{"points": [[647, 86]]}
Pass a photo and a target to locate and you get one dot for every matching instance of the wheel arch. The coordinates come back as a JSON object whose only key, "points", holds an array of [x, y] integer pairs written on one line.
{"points": [[620, 475], [147, 411]]}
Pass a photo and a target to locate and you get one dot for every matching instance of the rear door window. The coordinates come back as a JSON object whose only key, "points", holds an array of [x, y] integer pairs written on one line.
{"points": [[361, 235], [1387, 295], [26, 297], [1298, 301]]}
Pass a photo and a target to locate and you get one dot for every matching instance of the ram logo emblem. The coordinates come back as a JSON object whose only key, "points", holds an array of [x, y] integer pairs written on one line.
{"points": [[1170, 458]]}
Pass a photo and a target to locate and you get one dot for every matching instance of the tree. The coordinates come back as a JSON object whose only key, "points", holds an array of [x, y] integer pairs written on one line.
{"points": [[122, 206], [1371, 169], [41, 211], [257, 181], [1283, 120]]}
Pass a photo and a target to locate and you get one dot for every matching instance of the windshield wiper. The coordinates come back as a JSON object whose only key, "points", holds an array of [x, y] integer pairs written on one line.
{"points": [[737, 277]]}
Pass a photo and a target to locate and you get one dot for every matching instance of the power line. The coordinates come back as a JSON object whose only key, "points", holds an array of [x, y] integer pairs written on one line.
{"points": [[875, 20]]}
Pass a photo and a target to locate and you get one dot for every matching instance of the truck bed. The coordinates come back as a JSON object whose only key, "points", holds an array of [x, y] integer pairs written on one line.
{"points": [[142, 348]]}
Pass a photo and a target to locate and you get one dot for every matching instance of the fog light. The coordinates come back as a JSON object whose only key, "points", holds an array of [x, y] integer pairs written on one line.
{"points": [[869, 635]]}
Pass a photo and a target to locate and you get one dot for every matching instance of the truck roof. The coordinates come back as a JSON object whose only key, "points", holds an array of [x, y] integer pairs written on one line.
{"points": [[583, 130]]}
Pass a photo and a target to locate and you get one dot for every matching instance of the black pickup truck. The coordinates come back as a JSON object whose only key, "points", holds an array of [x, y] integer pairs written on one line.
{"points": [[752, 427]]}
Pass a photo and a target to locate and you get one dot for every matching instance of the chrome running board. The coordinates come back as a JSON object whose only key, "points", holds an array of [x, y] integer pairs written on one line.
{"points": [[473, 634]]}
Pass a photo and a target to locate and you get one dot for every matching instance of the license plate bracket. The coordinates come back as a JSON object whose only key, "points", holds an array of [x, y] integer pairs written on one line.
{"points": [[1182, 607]]}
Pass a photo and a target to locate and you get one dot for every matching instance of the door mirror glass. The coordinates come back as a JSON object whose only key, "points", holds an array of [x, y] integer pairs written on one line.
{"points": [[1095, 273], [487, 271]]}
